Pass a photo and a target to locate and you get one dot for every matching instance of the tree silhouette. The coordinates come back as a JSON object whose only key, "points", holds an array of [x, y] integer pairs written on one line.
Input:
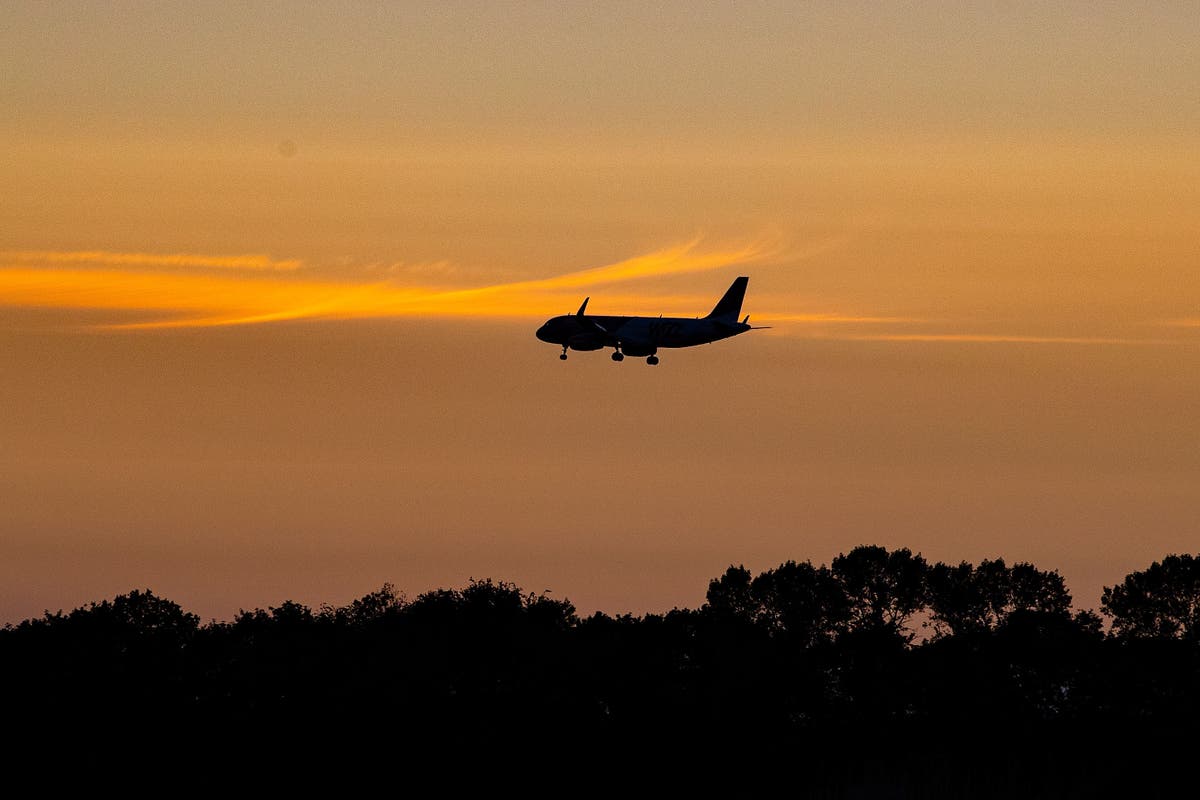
{"points": [[1159, 602], [884, 589], [815, 664], [137, 614], [117, 660], [807, 604], [370, 608], [964, 599], [729, 597]]}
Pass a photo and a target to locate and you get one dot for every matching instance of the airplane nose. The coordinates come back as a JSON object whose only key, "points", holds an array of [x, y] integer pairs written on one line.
{"points": [[542, 333]]}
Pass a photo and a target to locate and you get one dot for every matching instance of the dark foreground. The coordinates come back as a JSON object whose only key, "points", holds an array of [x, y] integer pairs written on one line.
{"points": [[810, 678]]}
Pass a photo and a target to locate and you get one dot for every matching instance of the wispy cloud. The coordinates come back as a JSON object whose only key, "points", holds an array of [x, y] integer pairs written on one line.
{"points": [[683, 258], [190, 290], [989, 338], [132, 282], [680, 259], [834, 317], [108, 258]]}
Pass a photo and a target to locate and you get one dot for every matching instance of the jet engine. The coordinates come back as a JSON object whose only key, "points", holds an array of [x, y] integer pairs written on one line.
{"points": [[637, 350], [586, 341]]}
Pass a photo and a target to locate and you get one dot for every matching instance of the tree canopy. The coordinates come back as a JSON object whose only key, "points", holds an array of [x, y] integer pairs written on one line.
{"points": [[1159, 602], [799, 658]]}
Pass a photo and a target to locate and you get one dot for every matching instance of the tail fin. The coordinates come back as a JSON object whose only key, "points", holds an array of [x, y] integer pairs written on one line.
{"points": [[731, 304]]}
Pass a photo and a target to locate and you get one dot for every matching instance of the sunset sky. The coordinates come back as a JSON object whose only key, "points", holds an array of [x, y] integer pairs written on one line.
{"points": [[270, 273]]}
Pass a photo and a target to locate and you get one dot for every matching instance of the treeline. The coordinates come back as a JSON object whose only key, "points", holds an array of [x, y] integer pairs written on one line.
{"points": [[878, 665]]}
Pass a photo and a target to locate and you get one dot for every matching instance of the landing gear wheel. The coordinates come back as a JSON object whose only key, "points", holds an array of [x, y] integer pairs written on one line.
{"points": [[562, 357], [618, 356], [652, 360]]}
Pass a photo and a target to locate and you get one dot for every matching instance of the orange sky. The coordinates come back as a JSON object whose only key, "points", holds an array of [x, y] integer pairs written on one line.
{"points": [[269, 278]]}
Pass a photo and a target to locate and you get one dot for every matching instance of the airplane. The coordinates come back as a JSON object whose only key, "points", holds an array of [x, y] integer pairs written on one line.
{"points": [[642, 336]]}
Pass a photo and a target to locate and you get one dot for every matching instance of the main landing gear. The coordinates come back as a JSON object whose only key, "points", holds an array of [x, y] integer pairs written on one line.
{"points": [[618, 356]]}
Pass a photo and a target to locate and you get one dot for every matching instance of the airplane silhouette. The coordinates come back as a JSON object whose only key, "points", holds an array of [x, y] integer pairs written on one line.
{"points": [[642, 336]]}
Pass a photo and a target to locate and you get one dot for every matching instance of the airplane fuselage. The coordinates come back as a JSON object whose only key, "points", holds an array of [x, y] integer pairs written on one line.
{"points": [[635, 336], [643, 336]]}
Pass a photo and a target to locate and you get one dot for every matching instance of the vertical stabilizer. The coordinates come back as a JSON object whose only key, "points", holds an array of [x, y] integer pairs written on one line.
{"points": [[730, 305]]}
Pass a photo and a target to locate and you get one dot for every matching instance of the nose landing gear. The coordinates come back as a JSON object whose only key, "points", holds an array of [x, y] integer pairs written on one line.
{"points": [[563, 356]]}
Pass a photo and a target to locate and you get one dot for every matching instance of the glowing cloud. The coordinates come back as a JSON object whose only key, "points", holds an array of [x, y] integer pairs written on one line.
{"points": [[670, 261], [251, 289], [39, 279], [987, 338], [818, 317]]}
